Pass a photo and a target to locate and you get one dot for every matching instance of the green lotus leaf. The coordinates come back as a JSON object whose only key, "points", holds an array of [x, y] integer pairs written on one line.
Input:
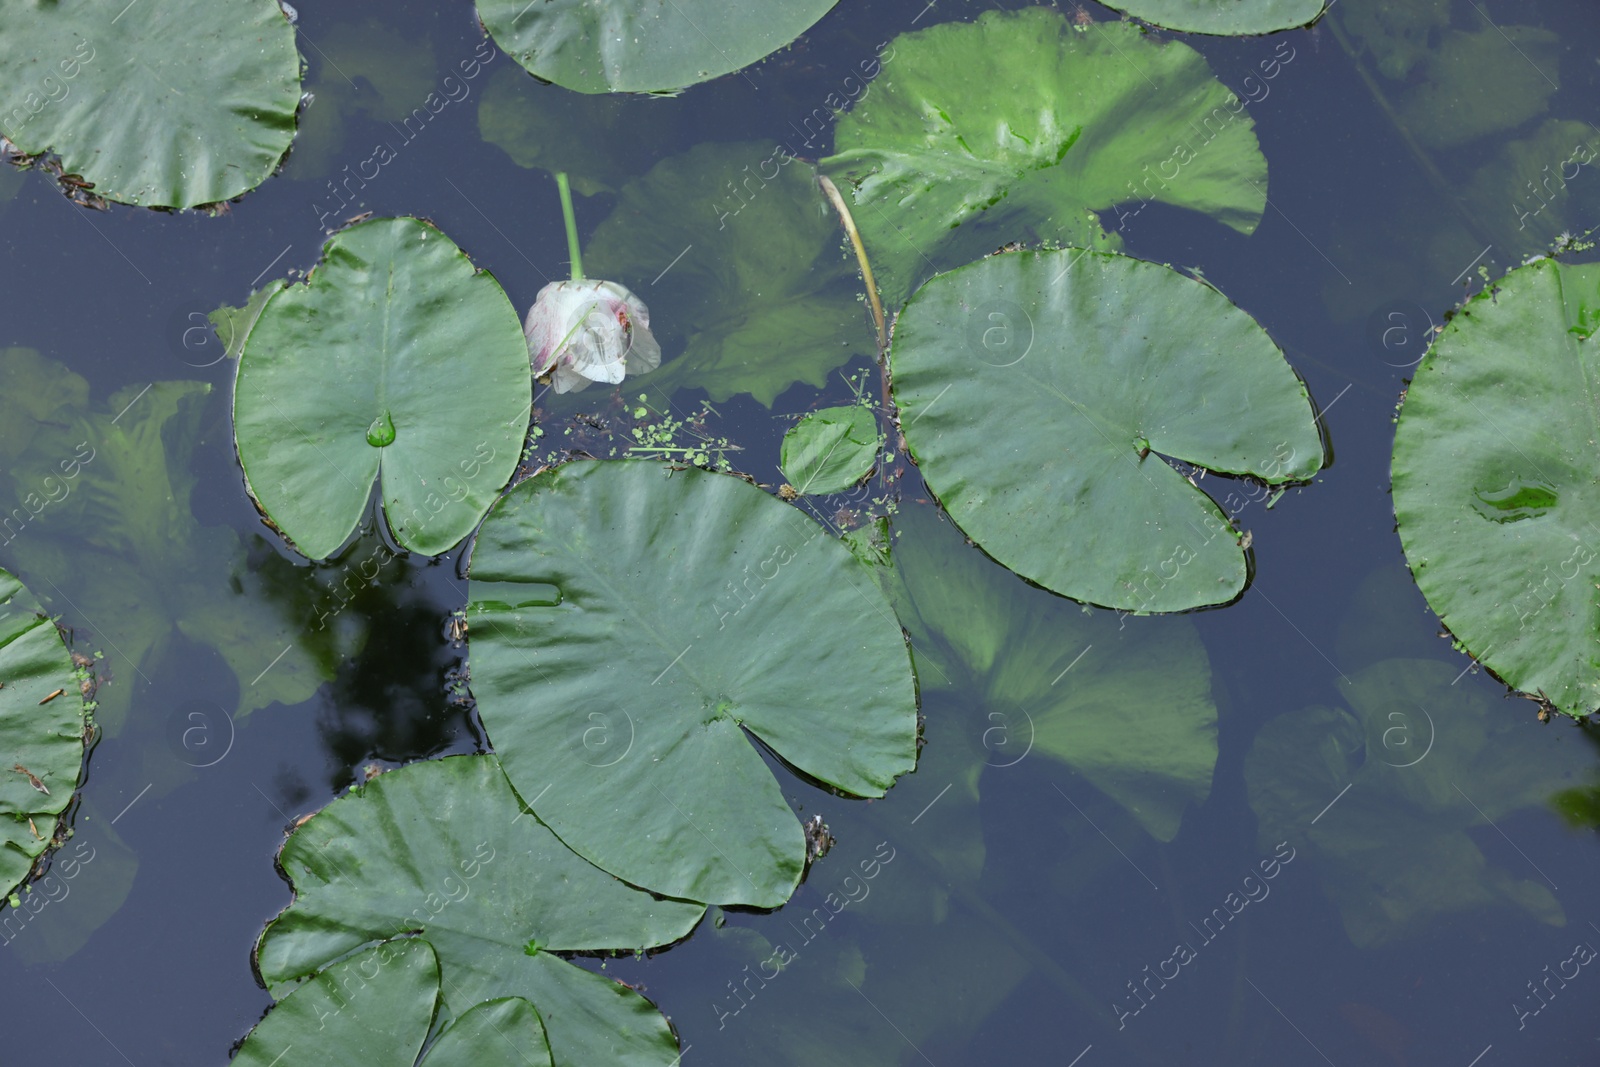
{"points": [[1223, 17], [1017, 127], [1039, 391], [1480, 82], [1032, 672], [159, 104], [96, 516], [42, 720], [445, 849], [635, 46], [397, 361], [1495, 488], [377, 1007], [599, 142], [637, 634], [830, 450], [739, 256], [1425, 762]]}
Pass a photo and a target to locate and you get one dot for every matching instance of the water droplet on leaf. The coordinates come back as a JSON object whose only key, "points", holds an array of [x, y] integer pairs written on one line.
{"points": [[381, 432]]}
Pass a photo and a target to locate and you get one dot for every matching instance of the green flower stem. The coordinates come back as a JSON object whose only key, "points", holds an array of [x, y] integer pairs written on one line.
{"points": [[572, 226]]}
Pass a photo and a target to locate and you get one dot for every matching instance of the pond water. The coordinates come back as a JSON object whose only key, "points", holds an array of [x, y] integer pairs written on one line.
{"points": [[996, 905]]}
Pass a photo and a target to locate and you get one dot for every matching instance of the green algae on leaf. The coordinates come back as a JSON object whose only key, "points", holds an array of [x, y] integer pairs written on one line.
{"points": [[396, 362], [1088, 368], [699, 619], [157, 104], [446, 850], [1495, 493], [1016, 126]]}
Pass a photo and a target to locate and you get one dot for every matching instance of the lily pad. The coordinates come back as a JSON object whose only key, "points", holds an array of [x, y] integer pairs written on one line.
{"points": [[444, 849], [159, 104], [638, 46], [1039, 392], [1223, 17], [1050, 678], [377, 1008], [1425, 762], [693, 619], [1018, 127], [397, 361], [739, 255], [1495, 491], [41, 731], [830, 450]]}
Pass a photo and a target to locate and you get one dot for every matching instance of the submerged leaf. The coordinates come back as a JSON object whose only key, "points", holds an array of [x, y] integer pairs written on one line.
{"points": [[99, 518], [600, 142], [1087, 368], [394, 327], [698, 617], [1481, 82], [744, 253], [159, 104], [1126, 703], [445, 849], [1425, 762], [1016, 127]]}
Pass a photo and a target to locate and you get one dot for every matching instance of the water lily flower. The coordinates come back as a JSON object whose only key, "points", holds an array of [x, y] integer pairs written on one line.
{"points": [[583, 331], [586, 331]]}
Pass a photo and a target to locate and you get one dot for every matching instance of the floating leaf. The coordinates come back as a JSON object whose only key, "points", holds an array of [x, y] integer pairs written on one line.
{"points": [[1494, 485], [830, 450], [1039, 392], [1425, 762], [394, 330], [159, 104], [698, 616], [376, 1009], [445, 849], [1223, 17], [636, 46], [1017, 127], [1049, 677], [41, 731], [739, 255]]}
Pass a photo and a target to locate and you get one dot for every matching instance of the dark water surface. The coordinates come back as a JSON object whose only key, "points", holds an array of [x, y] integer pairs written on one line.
{"points": [[1032, 958]]}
